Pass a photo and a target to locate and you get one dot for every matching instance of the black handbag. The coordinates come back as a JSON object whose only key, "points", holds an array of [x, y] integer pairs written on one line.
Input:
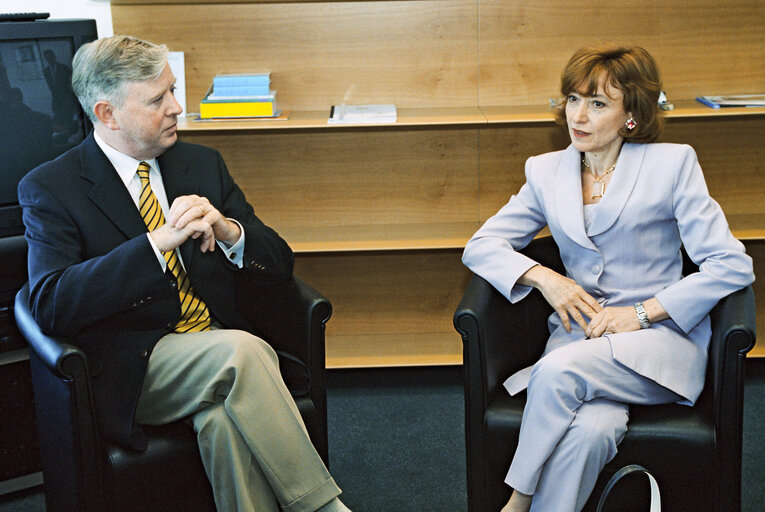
{"points": [[627, 470]]}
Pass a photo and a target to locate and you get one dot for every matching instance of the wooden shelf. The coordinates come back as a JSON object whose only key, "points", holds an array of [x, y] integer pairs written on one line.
{"points": [[683, 108], [440, 116], [316, 119], [747, 226], [692, 108], [379, 237], [409, 237], [378, 214]]}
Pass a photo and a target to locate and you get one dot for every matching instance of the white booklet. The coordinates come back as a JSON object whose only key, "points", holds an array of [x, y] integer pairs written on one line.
{"points": [[350, 114]]}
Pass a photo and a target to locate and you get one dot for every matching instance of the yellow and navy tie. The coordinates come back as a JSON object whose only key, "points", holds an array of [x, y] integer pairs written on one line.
{"points": [[194, 313]]}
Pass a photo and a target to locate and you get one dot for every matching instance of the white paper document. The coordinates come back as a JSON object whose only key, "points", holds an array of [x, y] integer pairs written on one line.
{"points": [[351, 114]]}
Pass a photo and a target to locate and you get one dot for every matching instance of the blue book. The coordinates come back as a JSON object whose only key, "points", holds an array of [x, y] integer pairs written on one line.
{"points": [[238, 91], [733, 100], [242, 79]]}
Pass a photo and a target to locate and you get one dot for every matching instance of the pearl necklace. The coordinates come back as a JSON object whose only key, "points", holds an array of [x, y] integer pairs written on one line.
{"points": [[598, 187]]}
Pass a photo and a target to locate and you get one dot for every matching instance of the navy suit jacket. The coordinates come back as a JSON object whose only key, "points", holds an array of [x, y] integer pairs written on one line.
{"points": [[94, 276]]}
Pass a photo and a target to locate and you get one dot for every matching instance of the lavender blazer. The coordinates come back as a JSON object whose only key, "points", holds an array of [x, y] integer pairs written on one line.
{"points": [[657, 200]]}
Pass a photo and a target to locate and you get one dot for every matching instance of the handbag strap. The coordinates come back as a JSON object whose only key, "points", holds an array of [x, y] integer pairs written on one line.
{"points": [[626, 470]]}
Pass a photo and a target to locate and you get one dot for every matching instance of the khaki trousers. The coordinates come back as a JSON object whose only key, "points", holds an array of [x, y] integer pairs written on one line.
{"points": [[253, 442]]}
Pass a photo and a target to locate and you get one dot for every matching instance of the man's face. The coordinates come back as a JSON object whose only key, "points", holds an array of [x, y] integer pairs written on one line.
{"points": [[148, 116]]}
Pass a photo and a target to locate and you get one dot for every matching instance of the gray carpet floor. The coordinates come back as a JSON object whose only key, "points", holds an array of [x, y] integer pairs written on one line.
{"points": [[397, 441]]}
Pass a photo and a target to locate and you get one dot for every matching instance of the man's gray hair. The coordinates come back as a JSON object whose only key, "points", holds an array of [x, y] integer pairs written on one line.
{"points": [[102, 68]]}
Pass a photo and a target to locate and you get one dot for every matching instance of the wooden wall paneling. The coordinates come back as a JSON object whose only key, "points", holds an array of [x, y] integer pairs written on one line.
{"points": [[345, 189], [503, 151], [732, 156], [338, 180], [392, 307], [411, 53], [702, 47]]}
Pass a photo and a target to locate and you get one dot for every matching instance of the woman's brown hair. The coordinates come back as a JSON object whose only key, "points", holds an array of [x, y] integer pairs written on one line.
{"points": [[632, 70]]}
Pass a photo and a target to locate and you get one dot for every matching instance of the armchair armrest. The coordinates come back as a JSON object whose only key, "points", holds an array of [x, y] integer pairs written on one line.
{"points": [[69, 439], [62, 359], [291, 316], [733, 335], [500, 337]]}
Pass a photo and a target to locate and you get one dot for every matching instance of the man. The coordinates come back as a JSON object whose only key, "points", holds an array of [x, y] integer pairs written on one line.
{"points": [[59, 79], [135, 242]]}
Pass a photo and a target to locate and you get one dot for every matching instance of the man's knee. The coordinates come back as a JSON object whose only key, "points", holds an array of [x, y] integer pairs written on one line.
{"points": [[213, 424], [240, 347]]}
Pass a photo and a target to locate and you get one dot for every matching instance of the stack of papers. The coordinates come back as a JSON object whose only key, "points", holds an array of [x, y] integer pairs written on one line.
{"points": [[352, 114], [733, 100]]}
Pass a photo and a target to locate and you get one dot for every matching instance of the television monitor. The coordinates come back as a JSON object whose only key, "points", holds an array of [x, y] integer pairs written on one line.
{"points": [[40, 116]]}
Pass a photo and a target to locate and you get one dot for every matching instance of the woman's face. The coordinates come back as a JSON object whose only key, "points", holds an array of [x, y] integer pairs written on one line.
{"points": [[594, 121]]}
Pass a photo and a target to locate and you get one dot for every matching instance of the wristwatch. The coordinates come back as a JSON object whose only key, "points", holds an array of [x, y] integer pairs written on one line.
{"points": [[642, 315]]}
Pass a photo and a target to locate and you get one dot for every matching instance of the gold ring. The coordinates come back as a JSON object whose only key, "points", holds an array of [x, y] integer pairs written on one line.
{"points": [[202, 209]]}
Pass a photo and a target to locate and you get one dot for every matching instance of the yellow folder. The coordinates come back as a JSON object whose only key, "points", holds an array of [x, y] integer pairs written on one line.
{"points": [[210, 109]]}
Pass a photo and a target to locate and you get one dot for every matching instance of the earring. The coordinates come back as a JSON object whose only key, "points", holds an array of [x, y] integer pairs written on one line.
{"points": [[630, 124]]}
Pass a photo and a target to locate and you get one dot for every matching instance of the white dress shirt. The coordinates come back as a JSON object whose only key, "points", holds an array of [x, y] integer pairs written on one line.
{"points": [[126, 167]]}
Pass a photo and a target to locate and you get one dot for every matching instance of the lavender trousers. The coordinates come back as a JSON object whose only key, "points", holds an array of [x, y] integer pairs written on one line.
{"points": [[575, 417]]}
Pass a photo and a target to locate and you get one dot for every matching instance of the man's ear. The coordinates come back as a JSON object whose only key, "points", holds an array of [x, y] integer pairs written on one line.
{"points": [[105, 113]]}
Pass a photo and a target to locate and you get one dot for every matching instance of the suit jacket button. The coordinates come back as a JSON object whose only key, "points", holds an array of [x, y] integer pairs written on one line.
{"points": [[144, 354]]}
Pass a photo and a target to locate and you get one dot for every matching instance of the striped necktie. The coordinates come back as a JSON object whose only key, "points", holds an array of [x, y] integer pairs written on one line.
{"points": [[194, 313]]}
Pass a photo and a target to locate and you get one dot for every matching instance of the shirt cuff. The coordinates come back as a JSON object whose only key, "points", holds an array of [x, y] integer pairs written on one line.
{"points": [[158, 253], [235, 253]]}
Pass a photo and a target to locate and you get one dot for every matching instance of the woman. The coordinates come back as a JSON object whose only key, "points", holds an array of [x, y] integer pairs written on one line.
{"points": [[627, 327]]}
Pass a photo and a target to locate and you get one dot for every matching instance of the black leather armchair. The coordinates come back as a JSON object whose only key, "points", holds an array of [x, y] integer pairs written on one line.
{"points": [[83, 472], [694, 452]]}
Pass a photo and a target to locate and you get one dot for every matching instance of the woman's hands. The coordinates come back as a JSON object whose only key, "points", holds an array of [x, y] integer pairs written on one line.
{"points": [[567, 298], [571, 301], [613, 319]]}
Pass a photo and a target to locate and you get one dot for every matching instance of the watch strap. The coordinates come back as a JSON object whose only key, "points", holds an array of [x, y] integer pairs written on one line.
{"points": [[642, 315]]}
